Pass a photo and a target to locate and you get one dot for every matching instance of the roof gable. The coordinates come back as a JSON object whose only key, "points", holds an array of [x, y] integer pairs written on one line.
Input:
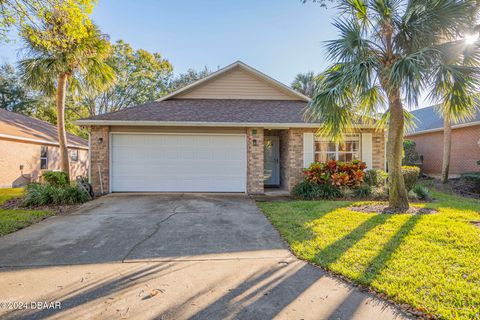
{"points": [[237, 81]]}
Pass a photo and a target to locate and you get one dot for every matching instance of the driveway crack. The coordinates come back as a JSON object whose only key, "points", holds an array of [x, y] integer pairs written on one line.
{"points": [[157, 228]]}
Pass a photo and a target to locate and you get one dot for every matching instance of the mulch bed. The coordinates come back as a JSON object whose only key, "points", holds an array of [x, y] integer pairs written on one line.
{"points": [[383, 209], [16, 203], [459, 187]]}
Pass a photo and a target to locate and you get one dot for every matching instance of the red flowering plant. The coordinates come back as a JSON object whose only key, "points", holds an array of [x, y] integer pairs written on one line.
{"points": [[337, 173]]}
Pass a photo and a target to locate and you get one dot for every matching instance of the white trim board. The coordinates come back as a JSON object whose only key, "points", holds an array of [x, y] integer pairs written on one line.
{"points": [[51, 143]]}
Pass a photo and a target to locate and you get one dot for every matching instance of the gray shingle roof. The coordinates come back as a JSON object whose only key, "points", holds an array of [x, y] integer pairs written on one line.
{"points": [[21, 126], [429, 119], [212, 110]]}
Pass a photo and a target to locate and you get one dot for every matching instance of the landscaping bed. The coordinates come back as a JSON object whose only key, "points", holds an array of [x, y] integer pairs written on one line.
{"points": [[425, 263]]}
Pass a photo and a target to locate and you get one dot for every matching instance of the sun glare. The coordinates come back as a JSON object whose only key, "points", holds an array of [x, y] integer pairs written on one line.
{"points": [[471, 38]]}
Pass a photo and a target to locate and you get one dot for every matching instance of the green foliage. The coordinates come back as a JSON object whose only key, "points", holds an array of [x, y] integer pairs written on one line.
{"points": [[340, 174], [14, 95], [56, 178], [410, 176], [375, 177], [141, 77], [473, 177], [429, 261], [309, 190], [410, 154], [47, 194], [422, 192], [363, 191], [184, 79], [305, 83]]}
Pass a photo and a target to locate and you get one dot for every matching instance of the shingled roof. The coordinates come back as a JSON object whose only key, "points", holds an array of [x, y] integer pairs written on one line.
{"points": [[428, 119], [18, 126], [210, 111]]}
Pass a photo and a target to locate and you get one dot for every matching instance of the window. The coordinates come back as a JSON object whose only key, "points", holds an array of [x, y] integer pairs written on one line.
{"points": [[74, 155], [348, 150], [44, 157]]}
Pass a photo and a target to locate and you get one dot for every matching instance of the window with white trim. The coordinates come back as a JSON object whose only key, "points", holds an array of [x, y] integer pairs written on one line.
{"points": [[43, 157], [348, 150], [74, 155]]}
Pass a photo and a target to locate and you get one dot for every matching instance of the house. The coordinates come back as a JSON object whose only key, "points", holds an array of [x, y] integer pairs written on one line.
{"points": [[236, 130], [29, 146], [428, 136]]}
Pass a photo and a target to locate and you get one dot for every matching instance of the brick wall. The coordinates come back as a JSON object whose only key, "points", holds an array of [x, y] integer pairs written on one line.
{"points": [[292, 160], [99, 152], [255, 173], [465, 150]]}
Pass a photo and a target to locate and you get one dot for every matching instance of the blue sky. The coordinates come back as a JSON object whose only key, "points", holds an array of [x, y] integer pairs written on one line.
{"points": [[279, 37]]}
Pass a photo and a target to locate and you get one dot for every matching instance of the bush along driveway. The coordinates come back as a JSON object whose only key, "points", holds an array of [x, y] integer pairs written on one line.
{"points": [[428, 261], [12, 219]]}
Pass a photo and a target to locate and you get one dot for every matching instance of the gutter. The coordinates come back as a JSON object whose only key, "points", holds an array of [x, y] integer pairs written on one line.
{"points": [[51, 143], [457, 126], [272, 125]]}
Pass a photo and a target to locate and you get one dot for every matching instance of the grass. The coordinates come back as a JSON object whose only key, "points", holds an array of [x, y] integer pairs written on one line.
{"points": [[15, 219], [430, 261]]}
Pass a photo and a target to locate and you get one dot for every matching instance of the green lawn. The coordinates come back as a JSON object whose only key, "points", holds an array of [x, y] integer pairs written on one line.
{"points": [[429, 261], [14, 219]]}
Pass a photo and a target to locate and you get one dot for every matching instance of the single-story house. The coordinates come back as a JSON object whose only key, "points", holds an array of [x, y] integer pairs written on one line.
{"points": [[428, 136], [29, 146], [236, 130]]}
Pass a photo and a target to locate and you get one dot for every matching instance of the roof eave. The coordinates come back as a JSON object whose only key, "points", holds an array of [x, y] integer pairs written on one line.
{"points": [[201, 124], [456, 126]]}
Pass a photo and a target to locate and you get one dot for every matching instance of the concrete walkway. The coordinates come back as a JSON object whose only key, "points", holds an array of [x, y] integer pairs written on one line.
{"points": [[169, 256]]}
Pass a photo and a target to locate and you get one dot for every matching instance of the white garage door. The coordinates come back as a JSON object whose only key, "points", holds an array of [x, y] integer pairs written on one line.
{"points": [[178, 162]]}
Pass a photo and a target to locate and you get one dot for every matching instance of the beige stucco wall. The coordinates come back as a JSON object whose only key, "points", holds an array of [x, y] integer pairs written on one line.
{"points": [[14, 153], [237, 84]]}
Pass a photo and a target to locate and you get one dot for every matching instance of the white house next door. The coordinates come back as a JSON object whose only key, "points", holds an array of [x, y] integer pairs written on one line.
{"points": [[178, 162]]}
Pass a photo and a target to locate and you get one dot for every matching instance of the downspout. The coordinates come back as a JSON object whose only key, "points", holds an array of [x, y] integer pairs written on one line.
{"points": [[89, 158]]}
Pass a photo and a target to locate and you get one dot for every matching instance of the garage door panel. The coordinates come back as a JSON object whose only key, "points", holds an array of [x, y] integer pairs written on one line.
{"points": [[183, 163]]}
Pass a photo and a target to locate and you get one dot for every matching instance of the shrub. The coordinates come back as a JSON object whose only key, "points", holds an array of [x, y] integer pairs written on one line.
{"points": [[310, 190], [422, 192], [340, 174], [410, 176], [375, 177], [363, 191], [47, 194], [410, 154], [56, 178], [473, 177]]}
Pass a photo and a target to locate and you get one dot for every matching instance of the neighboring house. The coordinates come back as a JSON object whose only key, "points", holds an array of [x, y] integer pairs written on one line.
{"points": [[29, 146], [428, 135], [237, 130]]}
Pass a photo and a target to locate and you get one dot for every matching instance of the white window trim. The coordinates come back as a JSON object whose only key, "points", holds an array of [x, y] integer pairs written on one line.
{"points": [[46, 158], [71, 155], [337, 151]]}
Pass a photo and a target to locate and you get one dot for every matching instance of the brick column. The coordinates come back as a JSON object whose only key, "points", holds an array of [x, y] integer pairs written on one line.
{"points": [[293, 158], [99, 161], [255, 174]]}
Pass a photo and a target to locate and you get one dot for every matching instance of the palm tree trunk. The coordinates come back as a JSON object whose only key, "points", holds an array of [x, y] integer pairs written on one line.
{"points": [[447, 146], [62, 135], [397, 193]]}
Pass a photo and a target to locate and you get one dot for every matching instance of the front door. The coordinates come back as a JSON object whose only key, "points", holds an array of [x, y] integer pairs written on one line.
{"points": [[271, 161]]}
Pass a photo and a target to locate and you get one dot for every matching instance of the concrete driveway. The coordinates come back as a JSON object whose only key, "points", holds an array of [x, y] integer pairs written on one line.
{"points": [[169, 256]]}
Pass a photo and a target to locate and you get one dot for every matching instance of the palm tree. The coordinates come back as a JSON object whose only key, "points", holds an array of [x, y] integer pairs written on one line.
{"points": [[305, 83], [54, 69], [388, 52], [456, 86]]}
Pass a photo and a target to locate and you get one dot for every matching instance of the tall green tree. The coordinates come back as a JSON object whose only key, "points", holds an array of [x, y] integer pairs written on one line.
{"points": [[21, 13], [141, 77], [456, 89], [14, 95], [184, 79], [387, 52], [305, 83], [63, 47]]}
